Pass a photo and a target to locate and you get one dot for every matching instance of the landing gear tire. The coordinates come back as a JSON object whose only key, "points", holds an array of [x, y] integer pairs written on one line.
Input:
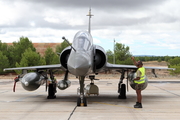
{"points": [[85, 102], [51, 92], [78, 101], [51, 97], [82, 104], [122, 94]]}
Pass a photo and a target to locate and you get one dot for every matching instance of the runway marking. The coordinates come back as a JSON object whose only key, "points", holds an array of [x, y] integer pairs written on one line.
{"points": [[5, 82], [116, 105], [72, 113], [3, 92], [163, 81], [167, 91]]}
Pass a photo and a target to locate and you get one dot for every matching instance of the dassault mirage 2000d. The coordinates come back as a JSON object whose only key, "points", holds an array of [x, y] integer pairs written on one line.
{"points": [[81, 59]]}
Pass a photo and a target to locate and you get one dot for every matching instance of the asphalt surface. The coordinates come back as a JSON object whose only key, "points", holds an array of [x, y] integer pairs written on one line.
{"points": [[161, 100]]}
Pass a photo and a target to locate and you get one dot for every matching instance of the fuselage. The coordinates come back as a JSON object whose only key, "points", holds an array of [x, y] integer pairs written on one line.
{"points": [[81, 57]]}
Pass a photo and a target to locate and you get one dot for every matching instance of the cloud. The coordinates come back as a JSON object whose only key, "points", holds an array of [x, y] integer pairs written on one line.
{"points": [[2, 31], [153, 23]]}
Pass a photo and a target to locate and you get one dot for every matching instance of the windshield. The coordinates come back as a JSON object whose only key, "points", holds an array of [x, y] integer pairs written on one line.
{"points": [[82, 40]]}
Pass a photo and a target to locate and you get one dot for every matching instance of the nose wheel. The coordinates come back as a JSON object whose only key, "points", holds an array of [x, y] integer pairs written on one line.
{"points": [[82, 102]]}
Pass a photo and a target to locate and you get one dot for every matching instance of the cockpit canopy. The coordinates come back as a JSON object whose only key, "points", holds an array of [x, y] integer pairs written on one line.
{"points": [[82, 41]]}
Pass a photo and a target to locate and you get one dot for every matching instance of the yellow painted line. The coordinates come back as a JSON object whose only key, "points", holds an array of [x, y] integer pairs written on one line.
{"points": [[116, 105]]}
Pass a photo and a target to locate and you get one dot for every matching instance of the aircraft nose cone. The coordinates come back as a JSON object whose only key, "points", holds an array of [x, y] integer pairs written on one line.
{"points": [[79, 65]]}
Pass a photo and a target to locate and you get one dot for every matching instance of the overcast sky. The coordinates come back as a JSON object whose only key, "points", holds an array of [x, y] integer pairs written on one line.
{"points": [[148, 27]]}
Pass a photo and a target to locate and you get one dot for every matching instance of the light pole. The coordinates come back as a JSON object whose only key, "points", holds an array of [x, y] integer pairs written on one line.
{"points": [[114, 53]]}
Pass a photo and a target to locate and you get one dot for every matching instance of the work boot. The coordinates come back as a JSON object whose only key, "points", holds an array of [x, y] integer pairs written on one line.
{"points": [[138, 105]]}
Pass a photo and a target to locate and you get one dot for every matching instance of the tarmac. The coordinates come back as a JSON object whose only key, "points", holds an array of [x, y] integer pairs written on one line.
{"points": [[161, 101]]}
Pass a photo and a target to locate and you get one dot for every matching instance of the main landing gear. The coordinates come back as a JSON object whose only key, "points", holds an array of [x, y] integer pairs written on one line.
{"points": [[51, 91], [122, 86], [81, 101], [52, 87]]}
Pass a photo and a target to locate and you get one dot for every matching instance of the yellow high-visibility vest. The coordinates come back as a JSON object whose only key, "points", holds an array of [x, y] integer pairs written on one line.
{"points": [[142, 78]]}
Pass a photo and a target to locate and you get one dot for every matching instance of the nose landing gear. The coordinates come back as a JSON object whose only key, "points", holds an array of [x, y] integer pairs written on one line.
{"points": [[81, 101]]}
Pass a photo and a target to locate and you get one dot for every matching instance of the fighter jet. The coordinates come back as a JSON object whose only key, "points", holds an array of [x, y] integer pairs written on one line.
{"points": [[81, 59]]}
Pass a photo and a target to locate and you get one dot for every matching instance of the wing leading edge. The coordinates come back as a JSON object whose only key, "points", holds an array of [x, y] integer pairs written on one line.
{"points": [[56, 66], [117, 67]]}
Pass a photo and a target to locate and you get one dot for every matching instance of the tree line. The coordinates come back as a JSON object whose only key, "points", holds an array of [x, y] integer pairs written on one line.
{"points": [[121, 55], [23, 53]]}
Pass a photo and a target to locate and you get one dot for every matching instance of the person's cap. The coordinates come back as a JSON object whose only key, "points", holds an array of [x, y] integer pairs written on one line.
{"points": [[139, 63]]}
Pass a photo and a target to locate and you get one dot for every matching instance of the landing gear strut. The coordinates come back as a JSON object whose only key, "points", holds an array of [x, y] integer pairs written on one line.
{"points": [[122, 86], [81, 101]]}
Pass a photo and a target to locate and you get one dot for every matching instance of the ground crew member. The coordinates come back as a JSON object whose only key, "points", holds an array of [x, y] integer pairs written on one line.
{"points": [[140, 81]]}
